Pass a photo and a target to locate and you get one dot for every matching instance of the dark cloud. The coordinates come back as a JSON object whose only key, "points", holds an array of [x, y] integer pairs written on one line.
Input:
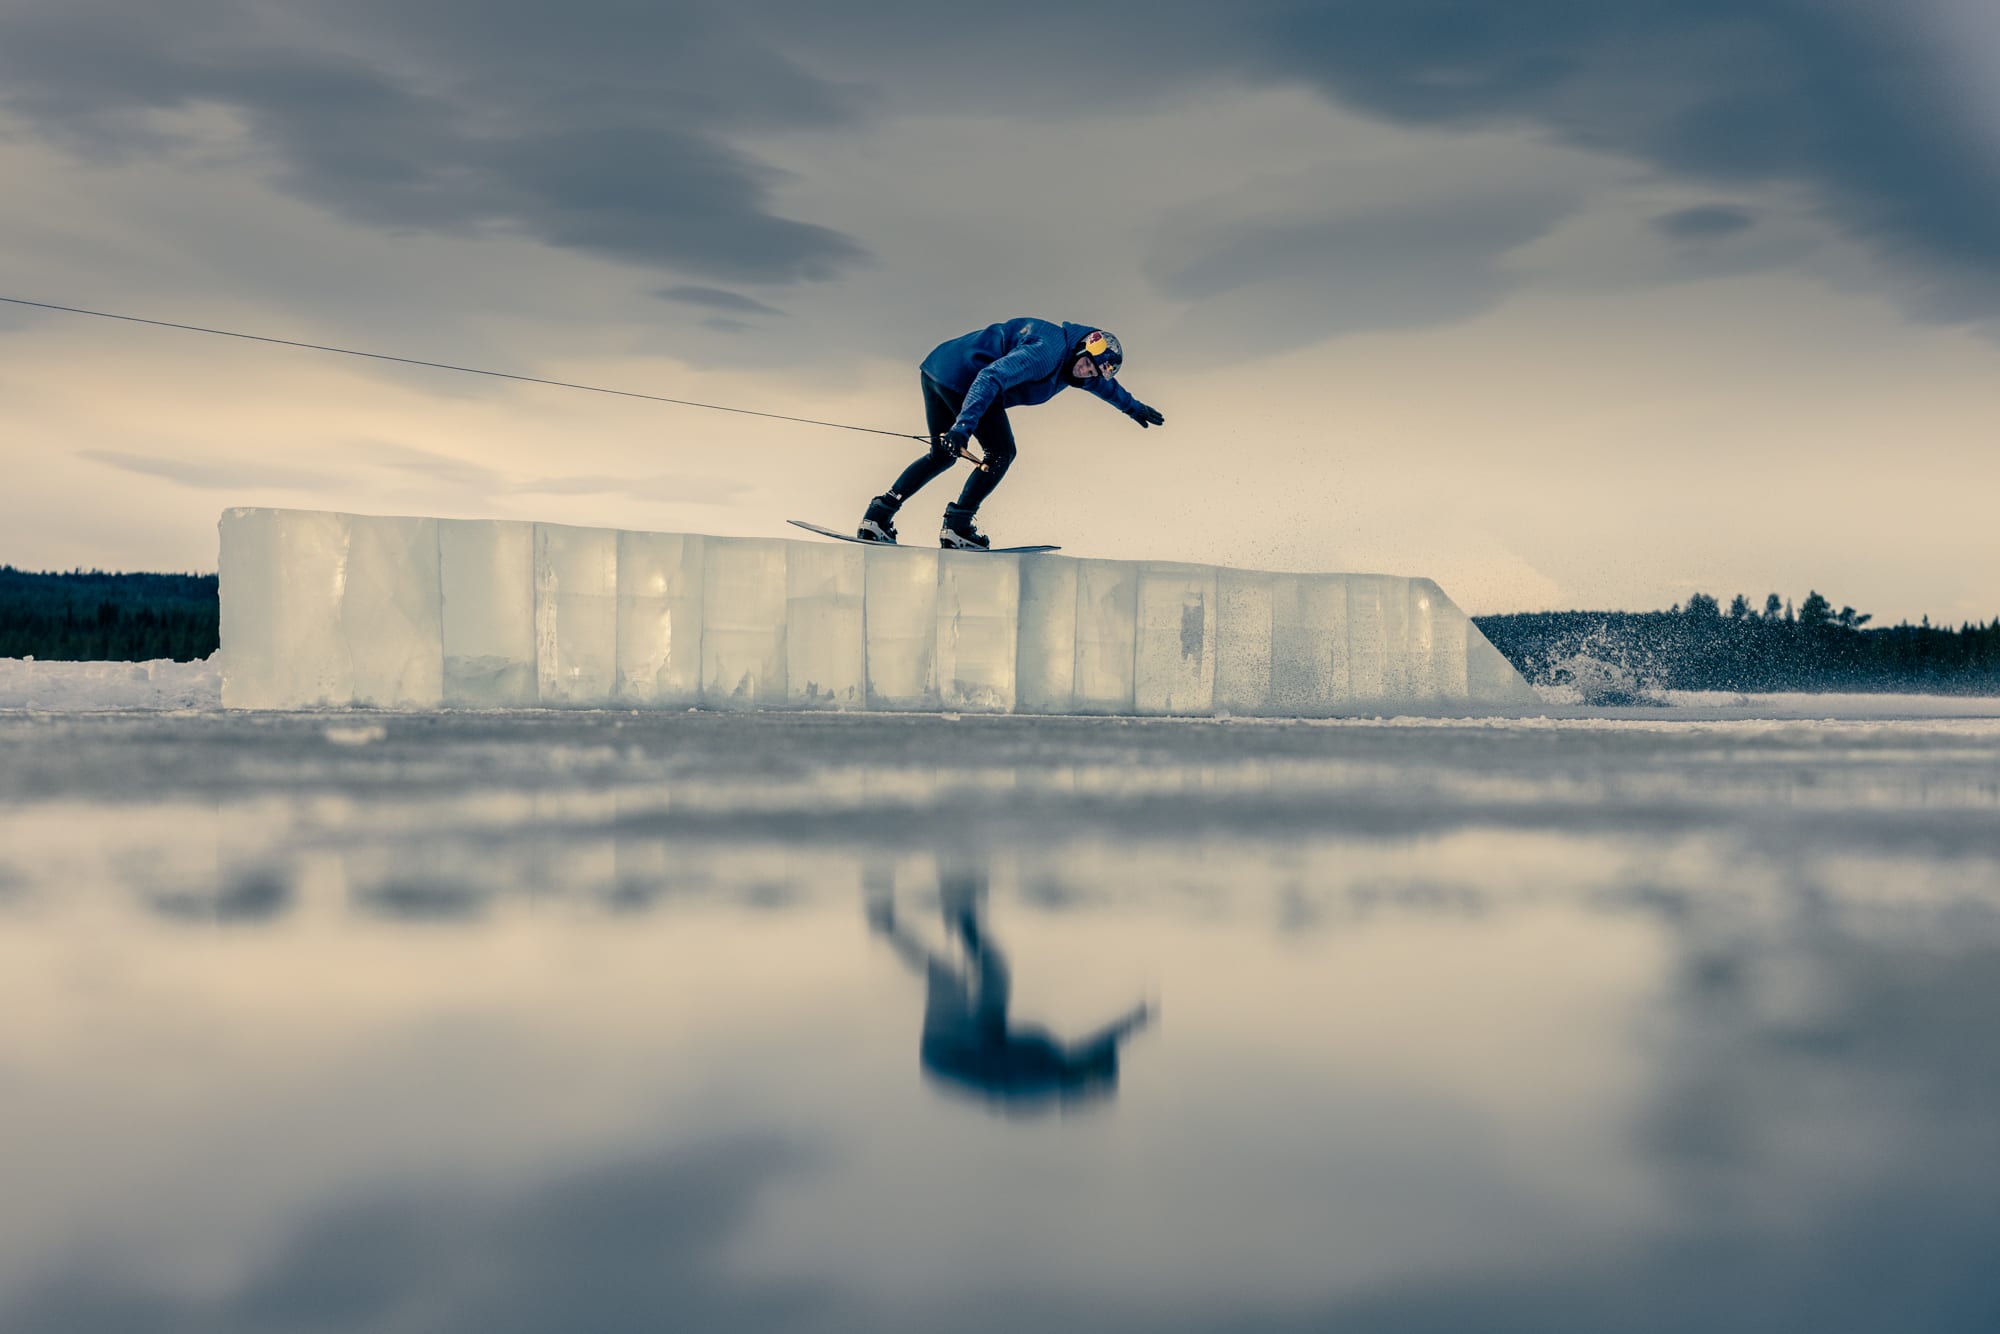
{"points": [[658, 196], [1706, 222], [606, 132], [1269, 284], [716, 298], [1842, 97], [619, 128]]}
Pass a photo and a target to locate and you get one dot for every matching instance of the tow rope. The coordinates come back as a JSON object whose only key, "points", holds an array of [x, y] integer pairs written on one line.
{"points": [[464, 370]]}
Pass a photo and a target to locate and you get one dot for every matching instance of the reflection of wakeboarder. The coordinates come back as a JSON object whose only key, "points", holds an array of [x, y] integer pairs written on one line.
{"points": [[967, 1040]]}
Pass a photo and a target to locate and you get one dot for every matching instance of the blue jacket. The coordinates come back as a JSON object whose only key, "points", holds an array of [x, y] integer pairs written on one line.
{"points": [[1017, 364]]}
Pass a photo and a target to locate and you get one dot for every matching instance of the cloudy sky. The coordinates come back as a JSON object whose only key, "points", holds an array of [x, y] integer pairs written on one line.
{"points": [[1578, 303]]}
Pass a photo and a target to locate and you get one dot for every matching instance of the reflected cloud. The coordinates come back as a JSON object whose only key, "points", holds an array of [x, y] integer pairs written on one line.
{"points": [[970, 1044], [625, 1245], [424, 901], [256, 896]]}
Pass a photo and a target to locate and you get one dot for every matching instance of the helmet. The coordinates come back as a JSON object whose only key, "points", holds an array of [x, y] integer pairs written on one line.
{"points": [[1104, 350]]}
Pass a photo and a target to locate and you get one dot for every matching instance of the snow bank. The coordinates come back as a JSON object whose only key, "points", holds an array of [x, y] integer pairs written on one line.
{"points": [[81, 687]]}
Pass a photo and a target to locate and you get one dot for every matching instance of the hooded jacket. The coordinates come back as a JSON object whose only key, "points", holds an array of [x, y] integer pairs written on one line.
{"points": [[1018, 363]]}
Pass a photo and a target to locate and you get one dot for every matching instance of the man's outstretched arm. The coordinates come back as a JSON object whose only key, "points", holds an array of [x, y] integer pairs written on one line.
{"points": [[1117, 396], [1114, 1032]]}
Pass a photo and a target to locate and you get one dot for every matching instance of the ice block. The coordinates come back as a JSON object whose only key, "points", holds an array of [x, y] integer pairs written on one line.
{"points": [[392, 612], [660, 580], [900, 625], [329, 610], [576, 615], [283, 585], [1243, 641], [487, 573], [1045, 663], [1107, 605], [824, 659], [978, 625], [743, 623], [1174, 653]]}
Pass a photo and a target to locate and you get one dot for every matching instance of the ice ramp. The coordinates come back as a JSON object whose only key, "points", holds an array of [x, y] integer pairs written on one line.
{"points": [[341, 610]]}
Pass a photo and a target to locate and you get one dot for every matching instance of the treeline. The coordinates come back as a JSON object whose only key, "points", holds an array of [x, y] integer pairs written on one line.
{"points": [[90, 616], [1703, 647]]}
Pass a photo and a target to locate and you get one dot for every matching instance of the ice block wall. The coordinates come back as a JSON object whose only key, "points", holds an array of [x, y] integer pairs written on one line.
{"points": [[338, 610]]}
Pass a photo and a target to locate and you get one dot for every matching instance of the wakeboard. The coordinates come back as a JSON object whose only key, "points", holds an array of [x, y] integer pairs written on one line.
{"points": [[849, 537]]}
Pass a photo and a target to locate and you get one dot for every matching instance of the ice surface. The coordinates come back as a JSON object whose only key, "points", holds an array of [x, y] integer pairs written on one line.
{"points": [[1243, 641], [1491, 679], [392, 613], [1699, 1002], [1420, 648], [978, 626], [901, 624], [487, 572], [824, 658], [1367, 642], [1174, 650], [1398, 684], [660, 579], [744, 599], [1449, 634], [283, 584], [576, 615], [1107, 606], [1308, 645], [1045, 675], [332, 610]]}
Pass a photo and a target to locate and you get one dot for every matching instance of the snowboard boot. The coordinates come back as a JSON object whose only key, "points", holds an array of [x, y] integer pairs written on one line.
{"points": [[879, 523], [958, 534]]}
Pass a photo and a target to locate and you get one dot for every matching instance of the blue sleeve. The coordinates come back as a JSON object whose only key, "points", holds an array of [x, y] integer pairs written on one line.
{"points": [[1030, 359], [1113, 393]]}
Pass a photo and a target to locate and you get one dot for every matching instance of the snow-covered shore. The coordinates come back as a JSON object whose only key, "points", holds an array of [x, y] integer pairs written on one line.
{"points": [[96, 687], [89, 687]]}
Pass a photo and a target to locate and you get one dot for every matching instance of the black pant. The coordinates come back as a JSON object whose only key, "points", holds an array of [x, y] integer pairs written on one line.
{"points": [[995, 437]]}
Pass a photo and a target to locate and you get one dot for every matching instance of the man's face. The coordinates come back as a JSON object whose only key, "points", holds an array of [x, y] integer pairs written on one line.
{"points": [[1085, 368]]}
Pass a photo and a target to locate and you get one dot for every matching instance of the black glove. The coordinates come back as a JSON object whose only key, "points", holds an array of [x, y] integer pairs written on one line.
{"points": [[957, 445], [1146, 416]]}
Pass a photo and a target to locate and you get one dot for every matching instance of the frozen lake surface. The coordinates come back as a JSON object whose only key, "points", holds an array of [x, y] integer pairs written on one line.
{"points": [[1668, 1020]]}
